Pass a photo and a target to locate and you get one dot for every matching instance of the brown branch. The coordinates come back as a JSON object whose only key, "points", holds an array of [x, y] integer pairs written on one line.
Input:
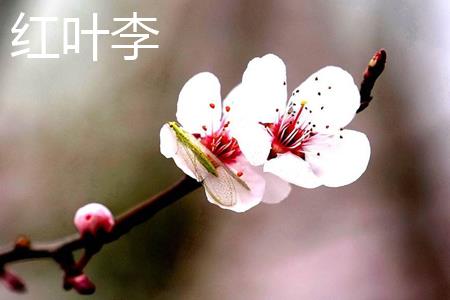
{"points": [[61, 251], [371, 73]]}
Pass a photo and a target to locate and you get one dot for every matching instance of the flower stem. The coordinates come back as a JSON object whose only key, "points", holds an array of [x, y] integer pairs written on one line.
{"points": [[61, 250]]}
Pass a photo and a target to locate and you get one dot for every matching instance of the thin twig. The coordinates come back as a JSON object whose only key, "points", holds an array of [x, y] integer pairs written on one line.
{"points": [[61, 250]]}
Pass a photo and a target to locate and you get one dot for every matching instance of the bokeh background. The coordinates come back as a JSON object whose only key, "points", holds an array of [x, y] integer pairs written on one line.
{"points": [[73, 131]]}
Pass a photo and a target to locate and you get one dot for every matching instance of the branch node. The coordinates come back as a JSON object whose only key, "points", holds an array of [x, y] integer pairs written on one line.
{"points": [[22, 243]]}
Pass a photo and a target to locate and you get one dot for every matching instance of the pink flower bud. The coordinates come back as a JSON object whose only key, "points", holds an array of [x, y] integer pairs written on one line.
{"points": [[12, 281], [93, 217], [81, 283]]}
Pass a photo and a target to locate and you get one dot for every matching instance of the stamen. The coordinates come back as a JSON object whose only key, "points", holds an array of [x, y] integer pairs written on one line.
{"points": [[283, 130], [291, 135], [300, 140], [296, 144], [223, 147], [218, 141], [302, 105]]}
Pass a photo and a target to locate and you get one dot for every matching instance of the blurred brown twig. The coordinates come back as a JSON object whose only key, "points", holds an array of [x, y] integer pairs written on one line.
{"points": [[61, 251]]}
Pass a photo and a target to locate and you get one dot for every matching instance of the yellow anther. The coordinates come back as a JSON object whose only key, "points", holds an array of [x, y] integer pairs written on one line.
{"points": [[303, 102]]}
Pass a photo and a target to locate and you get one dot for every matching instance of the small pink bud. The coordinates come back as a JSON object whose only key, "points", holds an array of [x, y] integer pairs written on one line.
{"points": [[13, 282], [93, 217], [82, 284]]}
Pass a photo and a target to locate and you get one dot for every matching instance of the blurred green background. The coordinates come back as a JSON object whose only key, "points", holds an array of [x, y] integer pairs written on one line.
{"points": [[73, 131]]}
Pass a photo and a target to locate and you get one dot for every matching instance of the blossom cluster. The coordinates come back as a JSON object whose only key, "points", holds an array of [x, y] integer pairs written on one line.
{"points": [[250, 147]]}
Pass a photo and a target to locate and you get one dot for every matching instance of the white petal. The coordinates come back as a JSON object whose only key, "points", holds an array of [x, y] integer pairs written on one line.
{"points": [[244, 199], [331, 96], [264, 89], [230, 113], [199, 103], [276, 189], [170, 149], [293, 169], [344, 161], [168, 143], [254, 141], [233, 96]]}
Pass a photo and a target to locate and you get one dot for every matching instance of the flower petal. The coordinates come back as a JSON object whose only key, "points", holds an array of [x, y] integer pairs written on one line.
{"points": [[168, 143], [254, 141], [331, 96], [170, 149], [264, 88], [230, 113], [244, 199], [343, 161], [199, 104], [276, 189], [233, 96], [293, 169]]}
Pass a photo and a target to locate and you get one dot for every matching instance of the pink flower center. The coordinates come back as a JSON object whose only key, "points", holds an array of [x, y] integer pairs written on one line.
{"points": [[223, 146], [219, 141], [289, 134]]}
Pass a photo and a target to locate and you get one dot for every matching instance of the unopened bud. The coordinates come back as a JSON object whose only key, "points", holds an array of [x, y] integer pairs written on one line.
{"points": [[92, 218], [12, 281], [376, 65], [22, 242], [81, 283]]}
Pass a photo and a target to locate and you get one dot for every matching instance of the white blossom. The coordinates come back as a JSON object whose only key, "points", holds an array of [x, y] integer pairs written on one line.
{"points": [[301, 141], [204, 148]]}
